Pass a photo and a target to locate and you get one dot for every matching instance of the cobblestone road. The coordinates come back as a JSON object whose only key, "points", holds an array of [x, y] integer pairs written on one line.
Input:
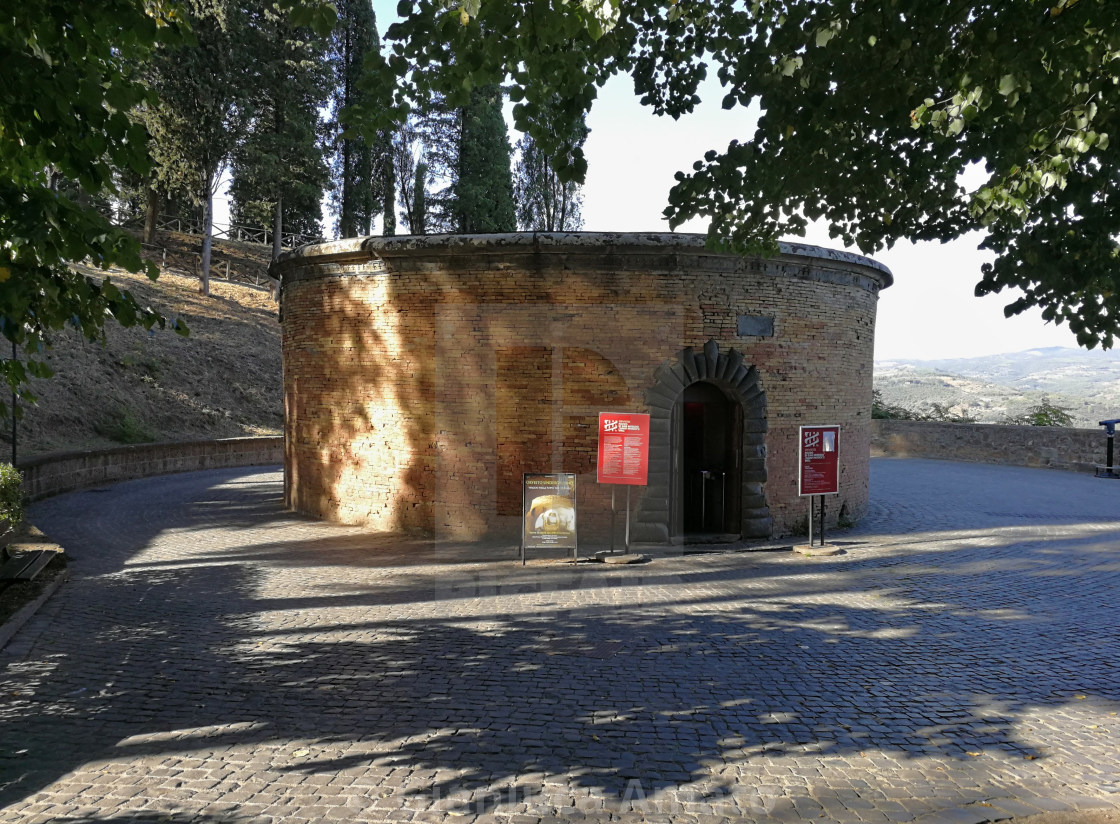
{"points": [[214, 659]]}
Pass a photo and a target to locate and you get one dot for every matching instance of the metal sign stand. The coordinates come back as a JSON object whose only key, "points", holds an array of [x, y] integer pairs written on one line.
{"points": [[627, 520], [613, 486], [822, 520], [812, 530], [15, 410], [626, 534]]}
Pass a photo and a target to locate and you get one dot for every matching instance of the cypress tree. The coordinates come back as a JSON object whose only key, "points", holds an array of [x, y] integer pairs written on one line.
{"points": [[362, 166], [482, 193], [279, 171]]}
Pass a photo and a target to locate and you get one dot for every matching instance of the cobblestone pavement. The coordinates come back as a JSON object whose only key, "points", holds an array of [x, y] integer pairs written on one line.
{"points": [[214, 659]]}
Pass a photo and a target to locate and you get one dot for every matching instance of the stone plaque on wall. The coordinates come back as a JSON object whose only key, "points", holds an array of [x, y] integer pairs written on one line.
{"points": [[757, 325]]}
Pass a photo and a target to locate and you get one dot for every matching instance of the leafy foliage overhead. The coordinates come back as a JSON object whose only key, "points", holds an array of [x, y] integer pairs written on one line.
{"points": [[873, 111], [64, 114], [71, 82]]}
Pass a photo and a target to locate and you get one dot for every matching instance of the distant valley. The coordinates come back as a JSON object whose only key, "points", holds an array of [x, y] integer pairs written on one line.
{"points": [[994, 387]]}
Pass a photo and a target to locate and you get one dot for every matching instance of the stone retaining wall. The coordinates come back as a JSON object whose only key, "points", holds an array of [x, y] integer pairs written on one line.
{"points": [[60, 472], [1054, 447]]}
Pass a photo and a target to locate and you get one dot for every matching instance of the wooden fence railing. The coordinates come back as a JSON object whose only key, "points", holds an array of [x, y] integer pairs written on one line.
{"points": [[242, 234]]}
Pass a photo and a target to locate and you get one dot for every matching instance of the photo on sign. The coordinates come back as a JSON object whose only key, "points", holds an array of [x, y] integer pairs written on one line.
{"points": [[551, 515]]}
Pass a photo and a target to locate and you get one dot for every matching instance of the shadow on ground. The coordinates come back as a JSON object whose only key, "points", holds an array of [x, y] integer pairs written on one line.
{"points": [[490, 676]]}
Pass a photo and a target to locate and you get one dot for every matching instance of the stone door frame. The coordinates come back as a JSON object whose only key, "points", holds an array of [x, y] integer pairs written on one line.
{"points": [[740, 382]]}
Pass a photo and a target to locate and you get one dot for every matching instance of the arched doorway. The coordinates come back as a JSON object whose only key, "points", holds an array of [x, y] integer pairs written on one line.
{"points": [[707, 435], [733, 422]]}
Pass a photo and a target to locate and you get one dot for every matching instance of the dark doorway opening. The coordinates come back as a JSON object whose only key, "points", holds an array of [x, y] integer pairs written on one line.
{"points": [[708, 427]]}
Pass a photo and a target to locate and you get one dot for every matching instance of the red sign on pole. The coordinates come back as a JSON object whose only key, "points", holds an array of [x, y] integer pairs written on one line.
{"points": [[820, 460], [623, 448]]}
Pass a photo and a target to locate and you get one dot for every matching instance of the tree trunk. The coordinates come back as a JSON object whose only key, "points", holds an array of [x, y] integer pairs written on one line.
{"points": [[277, 227], [207, 229], [419, 218], [345, 211], [562, 224], [151, 217], [389, 201]]}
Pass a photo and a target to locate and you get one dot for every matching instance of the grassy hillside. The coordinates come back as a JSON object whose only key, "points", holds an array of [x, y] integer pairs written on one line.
{"points": [[223, 380]]}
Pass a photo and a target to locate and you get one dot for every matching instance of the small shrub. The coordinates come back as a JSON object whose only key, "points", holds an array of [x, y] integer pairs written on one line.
{"points": [[881, 410], [941, 413], [124, 427], [11, 496], [146, 365], [1042, 414]]}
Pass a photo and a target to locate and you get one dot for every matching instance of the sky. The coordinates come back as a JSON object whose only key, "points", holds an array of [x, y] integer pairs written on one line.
{"points": [[930, 312]]}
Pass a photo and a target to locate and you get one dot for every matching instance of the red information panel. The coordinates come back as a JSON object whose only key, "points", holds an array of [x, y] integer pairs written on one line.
{"points": [[820, 460], [623, 448]]}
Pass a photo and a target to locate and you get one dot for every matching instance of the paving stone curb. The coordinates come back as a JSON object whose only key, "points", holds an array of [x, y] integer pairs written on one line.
{"points": [[14, 624]]}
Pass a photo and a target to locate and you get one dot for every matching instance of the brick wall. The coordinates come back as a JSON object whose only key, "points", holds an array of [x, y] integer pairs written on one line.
{"points": [[1055, 447], [424, 375], [61, 472]]}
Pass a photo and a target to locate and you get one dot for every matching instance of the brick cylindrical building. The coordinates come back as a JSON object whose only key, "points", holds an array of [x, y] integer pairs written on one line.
{"points": [[424, 375]]}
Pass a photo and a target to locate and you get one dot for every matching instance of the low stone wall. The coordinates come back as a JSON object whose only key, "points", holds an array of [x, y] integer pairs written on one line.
{"points": [[1055, 447], [60, 472]]}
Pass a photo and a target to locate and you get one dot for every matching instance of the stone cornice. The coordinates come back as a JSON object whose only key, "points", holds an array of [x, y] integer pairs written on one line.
{"points": [[579, 251]]}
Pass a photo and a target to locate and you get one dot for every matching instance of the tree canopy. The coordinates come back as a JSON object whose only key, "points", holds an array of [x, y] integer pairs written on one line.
{"points": [[202, 108], [884, 119], [70, 85], [73, 81], [356, 161], [545, 202], [279, 172], [482, 189]]}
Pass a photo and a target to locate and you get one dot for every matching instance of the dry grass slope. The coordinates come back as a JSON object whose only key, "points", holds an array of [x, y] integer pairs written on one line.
{"points": [[223, 380]]}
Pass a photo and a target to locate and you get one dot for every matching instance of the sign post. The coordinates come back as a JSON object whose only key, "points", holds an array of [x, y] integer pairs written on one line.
{"points": [[623, 456], [819, 467], [548, 513]]}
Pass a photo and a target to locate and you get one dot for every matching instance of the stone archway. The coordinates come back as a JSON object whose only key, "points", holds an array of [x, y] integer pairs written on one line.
{"points": [[654, 521]]}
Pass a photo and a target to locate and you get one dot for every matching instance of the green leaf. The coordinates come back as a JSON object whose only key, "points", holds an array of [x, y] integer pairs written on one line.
{"points": [[1036, 100]]}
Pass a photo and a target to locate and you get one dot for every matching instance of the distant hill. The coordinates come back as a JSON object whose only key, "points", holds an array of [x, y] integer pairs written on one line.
{"points": [[994, 387]]}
